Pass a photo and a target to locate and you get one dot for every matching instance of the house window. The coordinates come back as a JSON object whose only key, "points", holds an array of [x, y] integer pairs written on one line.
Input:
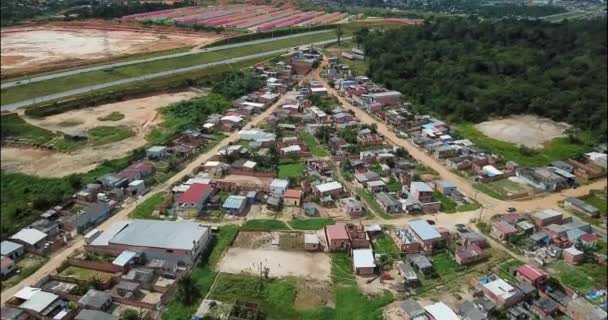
{"points": [[169, 250]]}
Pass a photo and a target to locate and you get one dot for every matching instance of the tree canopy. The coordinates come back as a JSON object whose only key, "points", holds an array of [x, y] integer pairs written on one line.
{"points": [[469, 69]]}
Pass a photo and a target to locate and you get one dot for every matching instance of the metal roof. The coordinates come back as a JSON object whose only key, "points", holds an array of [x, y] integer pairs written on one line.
{"points": [[363, 258], [440, 310], [424, 230], [86, 314], [329, 186], [279, 183], [39, 301], [420, 186], [29, 236], [161, 234], [8, 247], [95, 298], [124, 258], [234, 202]]}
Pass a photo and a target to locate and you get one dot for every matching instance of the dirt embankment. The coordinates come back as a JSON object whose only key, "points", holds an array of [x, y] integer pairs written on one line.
{"points": [[140, 115], [528, 130]]}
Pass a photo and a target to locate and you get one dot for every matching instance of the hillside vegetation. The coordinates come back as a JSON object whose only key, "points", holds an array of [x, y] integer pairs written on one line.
{"points": [[469, 70]]}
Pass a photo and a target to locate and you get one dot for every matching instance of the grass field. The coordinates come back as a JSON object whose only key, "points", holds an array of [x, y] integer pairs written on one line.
{"points": [[265, 224], [313, 145], [385, 245], [114, 116], [556, 149], [28, 265], [372, 204], [108, 134], [394, 186], [598, 199], [583, 277], [444, 264], [42, 88], [311, 224], [84, 274], [145, 209], [291, 171]]}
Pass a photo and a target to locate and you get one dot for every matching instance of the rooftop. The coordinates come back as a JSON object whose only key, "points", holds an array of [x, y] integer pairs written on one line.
{"points": [[29, 236], [531, 272], [293, 193], [95, 298], [363, 258], [424, 230], [8, 247], [546, 213], [420, 186], [160, 234], [234, 202], [411, 307], [440, 310], [329, 186], [336, 231], [279, 183], [39, 301], [501, 288], [195, 193]]}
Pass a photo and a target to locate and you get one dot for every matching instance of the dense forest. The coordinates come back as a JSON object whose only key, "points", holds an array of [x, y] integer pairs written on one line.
{"points": [[468, 70]]}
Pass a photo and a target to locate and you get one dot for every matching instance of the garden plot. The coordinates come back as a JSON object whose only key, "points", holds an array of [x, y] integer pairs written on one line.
{"points": [[138, 115], [315, 266], [527, 130]]}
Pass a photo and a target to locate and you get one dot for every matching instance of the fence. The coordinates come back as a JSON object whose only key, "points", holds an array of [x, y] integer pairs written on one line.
{"points": [[95, 265], [256, 174]]}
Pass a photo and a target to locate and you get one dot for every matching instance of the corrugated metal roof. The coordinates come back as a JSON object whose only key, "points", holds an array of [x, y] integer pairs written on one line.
{"points": [[363, 258], [424, 230]]}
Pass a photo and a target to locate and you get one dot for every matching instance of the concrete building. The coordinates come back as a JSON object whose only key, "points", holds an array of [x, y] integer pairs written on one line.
{"points": [[411, 310], [440, 311], [279, 186], [156, 152], [501, 293], [32, 239], [292, 197], [11, 249], [191, 202], [235, 205], [531, 275], [363, 262], [177, 241], [337, 238], [582, 207], [546, 217], [425, 234], [502, 230]]}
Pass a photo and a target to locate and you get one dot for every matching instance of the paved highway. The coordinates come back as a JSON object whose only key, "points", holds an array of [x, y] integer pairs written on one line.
{"points": [[59, 95], [15, 83]]}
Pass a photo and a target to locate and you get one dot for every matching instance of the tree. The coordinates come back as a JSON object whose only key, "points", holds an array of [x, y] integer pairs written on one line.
{"points": [[339, 33], [130, 314], [187, 290]]}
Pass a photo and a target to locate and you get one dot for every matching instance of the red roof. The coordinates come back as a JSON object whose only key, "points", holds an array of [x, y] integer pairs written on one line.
{"points": [[531, 272], [195, 193], [140, 166], [504, 227], [589, 237], [336, 232], [293, 193]]}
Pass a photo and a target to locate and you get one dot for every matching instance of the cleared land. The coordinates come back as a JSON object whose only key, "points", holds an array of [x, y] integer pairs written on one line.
{"points": [[315, 266], [528, 130], [30, 49], [140, 116]]}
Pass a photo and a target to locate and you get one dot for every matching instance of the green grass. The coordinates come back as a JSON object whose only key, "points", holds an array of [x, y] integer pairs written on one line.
{"points": [[15, 126], [42, 88], [108, 134], [69, 123], [265, 224], [447, 205], [114, 116], [372, 204], [81, 273], [313, 145], [583, 277], [145, 209], [504, 268], [394, 186], [489, 191], [311, 224], [597, 198], [28, 265], [444, 264], [203, 275], [556, 149], [385, 245], [291, 171]]}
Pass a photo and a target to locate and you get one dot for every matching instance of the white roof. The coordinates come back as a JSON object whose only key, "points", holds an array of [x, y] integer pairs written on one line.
{"points": [[249, 164], [500, 288], [26, 293], [294, 148], [318, 89], [39, 301], [198, 179], [329, 186], [124, 258], [181, 188], [272, 79], [212, 164], [491, 170], [290, 106], [279, 183], [232, 118], [136, 182], [363, 258], [311, 238], [373, 228], [440, 310], [29, 236], [318, 112], [573, 251], [253, 104], [208, 125], [376, 183]]}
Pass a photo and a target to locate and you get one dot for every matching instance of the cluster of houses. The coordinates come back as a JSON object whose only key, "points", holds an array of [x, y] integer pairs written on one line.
{"points": [[549, 234], [132, 269]]}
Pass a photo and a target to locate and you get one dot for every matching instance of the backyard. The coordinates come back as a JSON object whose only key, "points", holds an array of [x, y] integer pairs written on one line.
{"points": [[313, 145], [264, 224], [28, 265], [597, 198], [385, 245], [502, 189], [291, 171], [146, 209], [310, 224], [582, 277]]}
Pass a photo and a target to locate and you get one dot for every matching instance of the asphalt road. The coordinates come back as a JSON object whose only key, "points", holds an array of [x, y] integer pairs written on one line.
{"points": [[13, 106], [15, 83]]}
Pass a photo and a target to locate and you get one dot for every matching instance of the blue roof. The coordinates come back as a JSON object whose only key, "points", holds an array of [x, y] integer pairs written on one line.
{"points": [[124, 258], [446, 184], [424, 230], [8, 247], [234, 202]]}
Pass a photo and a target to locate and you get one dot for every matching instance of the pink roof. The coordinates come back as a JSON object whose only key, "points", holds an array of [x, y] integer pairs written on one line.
{"points": [[531, 272], [194, 193], [504, 227], [293, 193], [589, 237], [6, 261], [336, 232], [142, 166]]}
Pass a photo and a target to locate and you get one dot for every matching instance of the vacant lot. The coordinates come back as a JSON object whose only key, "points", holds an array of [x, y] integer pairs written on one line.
{"points": [[27, 49], [530, 131], [315, 266], [140, 116]]}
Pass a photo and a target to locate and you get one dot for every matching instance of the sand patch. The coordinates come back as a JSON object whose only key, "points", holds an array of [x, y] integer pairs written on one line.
{"points": [[528, 130]]}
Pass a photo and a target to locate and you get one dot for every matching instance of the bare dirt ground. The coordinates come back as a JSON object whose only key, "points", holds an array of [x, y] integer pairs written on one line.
{"points": [[313, 294], [141, 115], [529, 130], [30, 48], [315, 266]]}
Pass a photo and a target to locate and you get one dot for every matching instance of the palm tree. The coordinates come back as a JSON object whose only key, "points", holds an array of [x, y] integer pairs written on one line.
{"points": [[188, 290]]}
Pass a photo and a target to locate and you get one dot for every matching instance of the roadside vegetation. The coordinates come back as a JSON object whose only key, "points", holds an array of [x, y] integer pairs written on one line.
{"points": [[313, 145], [146, 209], [26, 266], [311, 224], [264, 224], [291, 170], [108, 134], [114, 116]]}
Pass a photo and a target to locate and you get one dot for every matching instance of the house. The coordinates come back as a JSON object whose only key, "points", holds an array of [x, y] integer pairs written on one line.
{"points": [[41, 304], [177, 241], [137, 170], [156, 152], [366, 177], [425, 234], [542, 178], [546, 217], [257, 135], [440, 311], [468, 254], [332, 188], [501, 292], [406, 241], [531, 275], [7, 266], [337, 238], [353, 207], [292, 197], [376, 186], [598, 158], [11, 249], [89, 216], [572, 255], [421, 263], [11, 313], [357, 236], [111, 181], [411, 310], [545, 307], [502, 230], [470, 311], [388, 202], [235, 205], [475, 238], [363, 262], [32, 239], [445, 187], [407, 272], [85, 314], [279, 186], [231, 122], [96, 300], [582, 207], [581, 309], [388, 98], [191, 202], [312, 242], [421, 191]]}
